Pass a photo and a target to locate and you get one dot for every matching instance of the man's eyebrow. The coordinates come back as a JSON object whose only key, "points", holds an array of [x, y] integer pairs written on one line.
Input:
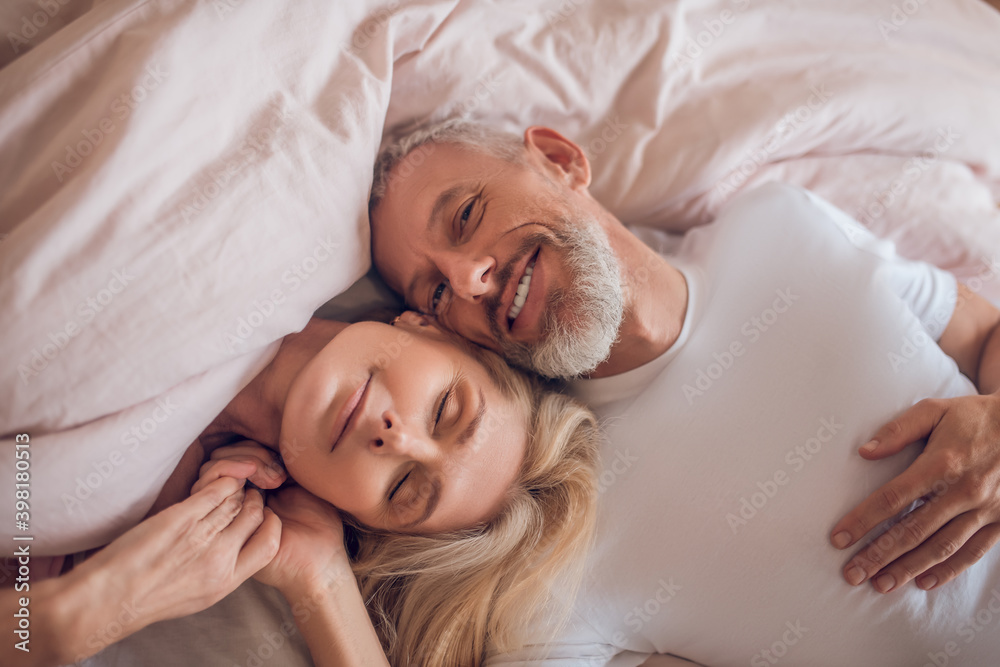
{"points": [[443, 201], [463, 438]]}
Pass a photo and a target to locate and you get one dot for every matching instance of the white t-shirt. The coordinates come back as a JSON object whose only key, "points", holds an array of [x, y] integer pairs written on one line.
{"points": [[731, 457]]}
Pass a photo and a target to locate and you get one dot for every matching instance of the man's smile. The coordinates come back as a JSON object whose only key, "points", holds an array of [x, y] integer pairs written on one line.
{"points": [[521, 294]]}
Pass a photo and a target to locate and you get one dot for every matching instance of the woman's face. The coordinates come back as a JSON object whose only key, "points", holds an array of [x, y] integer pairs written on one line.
{"points": [[402, 429]]}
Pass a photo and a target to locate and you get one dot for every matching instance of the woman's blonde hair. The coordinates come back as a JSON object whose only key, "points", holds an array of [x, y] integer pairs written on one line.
{"points": [[443, 600]]}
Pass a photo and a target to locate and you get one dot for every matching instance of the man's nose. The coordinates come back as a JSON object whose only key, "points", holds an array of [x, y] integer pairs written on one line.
{"points": [[471, 277]]}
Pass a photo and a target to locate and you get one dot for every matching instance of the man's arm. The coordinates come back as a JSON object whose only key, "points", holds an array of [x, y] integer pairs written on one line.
{"points": [[972, 340], [958, 473]]}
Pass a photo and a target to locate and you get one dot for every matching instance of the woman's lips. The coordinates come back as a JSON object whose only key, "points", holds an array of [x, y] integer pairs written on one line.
{"points": [[345, 417]]}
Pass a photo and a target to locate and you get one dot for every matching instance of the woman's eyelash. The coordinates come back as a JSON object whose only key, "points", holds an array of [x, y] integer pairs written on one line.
{"points": [[444, 401], [397, 487]]}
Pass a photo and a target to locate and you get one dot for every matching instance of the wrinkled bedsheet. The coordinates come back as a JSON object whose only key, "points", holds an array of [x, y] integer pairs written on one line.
{"points": [[184, 183]]}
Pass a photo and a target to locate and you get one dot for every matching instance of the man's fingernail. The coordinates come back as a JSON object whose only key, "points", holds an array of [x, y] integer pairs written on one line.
{"points": [[928, 582], [869, 446], [855, 575], [885, 583], [841, 539]]}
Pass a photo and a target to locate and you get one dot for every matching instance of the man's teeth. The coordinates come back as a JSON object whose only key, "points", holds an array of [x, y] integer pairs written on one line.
{"points": [[522, 292]]}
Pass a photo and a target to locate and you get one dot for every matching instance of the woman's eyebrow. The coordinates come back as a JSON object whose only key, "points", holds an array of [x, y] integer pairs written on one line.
{"points": [[432, 502], [473, 426], [463, 438]]}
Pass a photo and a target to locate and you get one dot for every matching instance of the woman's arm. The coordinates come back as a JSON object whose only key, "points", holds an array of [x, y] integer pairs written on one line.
{"points": [[334, 622], [183, 560], [314, 574], [61, 617]]}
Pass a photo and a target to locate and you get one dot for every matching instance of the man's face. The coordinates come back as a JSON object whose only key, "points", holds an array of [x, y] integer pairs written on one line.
{"points": [[502, 254]]}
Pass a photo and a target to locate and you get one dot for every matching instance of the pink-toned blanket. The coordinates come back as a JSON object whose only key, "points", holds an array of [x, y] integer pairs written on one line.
{"points": [[184, 183]]}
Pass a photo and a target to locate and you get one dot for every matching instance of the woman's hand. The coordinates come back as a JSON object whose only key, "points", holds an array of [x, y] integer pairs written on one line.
{"points": [[190, 555], [314, 574], [312, 549], [246, 460], [178, 562]]}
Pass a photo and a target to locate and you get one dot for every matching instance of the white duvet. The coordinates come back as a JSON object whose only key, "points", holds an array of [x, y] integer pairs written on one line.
{"points": [[184, 183]]}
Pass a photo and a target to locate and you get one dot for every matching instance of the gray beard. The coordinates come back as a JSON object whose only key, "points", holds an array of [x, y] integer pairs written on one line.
{"points": [[581, 322]]}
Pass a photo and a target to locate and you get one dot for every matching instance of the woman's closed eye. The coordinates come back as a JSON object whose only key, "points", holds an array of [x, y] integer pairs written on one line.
{"points": [[399, 485], [408, 496], [441, 406], [448, 408]]}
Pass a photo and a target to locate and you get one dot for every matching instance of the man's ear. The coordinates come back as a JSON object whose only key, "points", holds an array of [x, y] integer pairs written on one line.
{"points": [[559, 156]]}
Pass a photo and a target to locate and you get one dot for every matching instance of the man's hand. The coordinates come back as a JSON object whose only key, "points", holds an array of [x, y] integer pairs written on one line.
{"points": [[312, 550], [958, 477]]}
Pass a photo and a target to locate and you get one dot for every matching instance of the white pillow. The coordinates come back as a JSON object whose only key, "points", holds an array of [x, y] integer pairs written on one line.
{"points": [[183, 184]]}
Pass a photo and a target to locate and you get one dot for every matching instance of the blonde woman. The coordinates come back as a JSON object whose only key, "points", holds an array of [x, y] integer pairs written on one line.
{"points": [[467, 489]]}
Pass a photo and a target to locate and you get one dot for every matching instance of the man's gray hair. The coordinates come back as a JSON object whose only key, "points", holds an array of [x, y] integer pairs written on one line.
{"points": [[475, 136]]}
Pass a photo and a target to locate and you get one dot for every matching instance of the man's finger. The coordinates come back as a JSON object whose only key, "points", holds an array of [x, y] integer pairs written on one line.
{"points": [[887, 555], [884, 503], [938, 547], [261, 548], [968, 555], [913, 425]]}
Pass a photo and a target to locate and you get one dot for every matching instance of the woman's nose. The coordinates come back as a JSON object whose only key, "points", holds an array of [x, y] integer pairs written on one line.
{"points": [[392, 436]]}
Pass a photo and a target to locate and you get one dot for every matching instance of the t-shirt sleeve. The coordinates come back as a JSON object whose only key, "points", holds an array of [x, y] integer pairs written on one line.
{"points": [[929, 292]]}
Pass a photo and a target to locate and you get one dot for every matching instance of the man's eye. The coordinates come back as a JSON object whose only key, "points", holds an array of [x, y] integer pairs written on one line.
{"points": [[466, 214], [436, 296]]}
